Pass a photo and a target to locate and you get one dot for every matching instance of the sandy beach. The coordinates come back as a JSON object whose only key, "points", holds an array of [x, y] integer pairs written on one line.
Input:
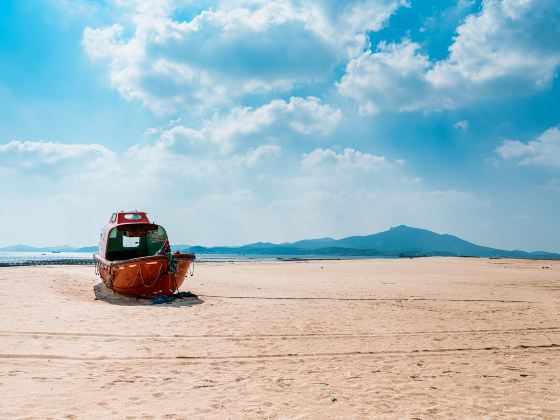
{"points": [[407, 338]]}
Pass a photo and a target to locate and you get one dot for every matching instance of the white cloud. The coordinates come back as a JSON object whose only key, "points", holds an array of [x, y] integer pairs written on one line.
{"points": [[346, 23], [327, 191], [545, 150], [462, 125], [76, 8], [40, 156], [225, 201], [104, 42], [510, 40], [393, 77], [349, 160], [184, 149], [303, 116], [258, 155], [509, 48], [367, 209], [348, 169], [234, 49]]}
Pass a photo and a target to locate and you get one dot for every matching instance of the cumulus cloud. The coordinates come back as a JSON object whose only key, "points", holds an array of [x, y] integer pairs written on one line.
{"points": [[544, 150], [510, 40], [393, 78], [258, 155], [304, 116], [232, 49], [41, 156], [241, 128], [349, 169], [510, 47], [349, 160]]}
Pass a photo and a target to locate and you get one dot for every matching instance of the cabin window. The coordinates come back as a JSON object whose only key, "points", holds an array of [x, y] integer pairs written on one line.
{"points": [[113, 217], [130, 241], [134, 243], [132, 216]]}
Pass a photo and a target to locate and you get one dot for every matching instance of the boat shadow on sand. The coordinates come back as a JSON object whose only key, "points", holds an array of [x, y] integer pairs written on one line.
{"points": [[101, 293]]}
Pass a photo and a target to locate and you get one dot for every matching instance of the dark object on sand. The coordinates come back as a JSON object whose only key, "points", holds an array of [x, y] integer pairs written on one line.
{"points": [[169, 299], [162, 299], [184, 295]]}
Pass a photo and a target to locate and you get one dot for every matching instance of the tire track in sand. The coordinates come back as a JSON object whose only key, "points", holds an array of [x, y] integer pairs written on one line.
{"points": [[553, 347], [267, 336]]}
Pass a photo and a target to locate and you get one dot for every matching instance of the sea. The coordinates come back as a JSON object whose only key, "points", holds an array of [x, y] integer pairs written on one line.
{"points": [[42, 257], [84, 258]]}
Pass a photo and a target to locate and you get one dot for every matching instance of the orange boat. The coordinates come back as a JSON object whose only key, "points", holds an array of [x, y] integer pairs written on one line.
{"points": [[135, 258]]}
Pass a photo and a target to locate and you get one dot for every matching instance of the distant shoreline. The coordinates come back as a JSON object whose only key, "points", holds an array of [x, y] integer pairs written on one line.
{"points": [[398, 242], [202, 260]]}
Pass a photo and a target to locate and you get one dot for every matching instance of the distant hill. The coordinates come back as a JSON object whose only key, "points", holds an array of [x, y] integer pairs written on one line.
{"points": [[400, 241], [174, 247], [91, 249]]}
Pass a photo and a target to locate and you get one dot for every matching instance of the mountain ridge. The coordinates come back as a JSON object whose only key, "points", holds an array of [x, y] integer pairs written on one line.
{"points": [[398, 241]]}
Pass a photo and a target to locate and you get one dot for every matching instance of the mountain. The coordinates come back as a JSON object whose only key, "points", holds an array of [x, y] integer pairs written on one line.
{"points": [[398, 241], [18, 248], [173, 247], [314, 243], [404, 238], [91, 249]]}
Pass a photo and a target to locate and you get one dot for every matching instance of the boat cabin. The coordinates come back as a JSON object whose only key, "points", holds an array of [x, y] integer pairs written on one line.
{"points": [[130, 235]]}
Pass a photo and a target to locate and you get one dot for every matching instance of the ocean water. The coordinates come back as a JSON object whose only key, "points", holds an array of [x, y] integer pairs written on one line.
{"points": [[30, 258], [44, 257]]}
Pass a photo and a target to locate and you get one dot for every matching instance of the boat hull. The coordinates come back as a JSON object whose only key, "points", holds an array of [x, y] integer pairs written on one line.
{"points": [[146, 276]]}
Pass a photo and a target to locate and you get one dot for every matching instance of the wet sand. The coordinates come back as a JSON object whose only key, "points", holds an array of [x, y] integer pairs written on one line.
{"points": [[420, 338]]}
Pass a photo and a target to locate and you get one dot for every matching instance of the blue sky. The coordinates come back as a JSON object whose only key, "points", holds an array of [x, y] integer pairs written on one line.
{"points": [[239, 121]]}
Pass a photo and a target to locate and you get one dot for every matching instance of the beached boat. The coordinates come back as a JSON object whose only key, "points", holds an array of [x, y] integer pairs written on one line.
{"points": [[135, 258]]}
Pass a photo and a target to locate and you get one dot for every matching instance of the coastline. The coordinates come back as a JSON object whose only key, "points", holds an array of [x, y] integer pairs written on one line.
{"points": [[241, 258]]}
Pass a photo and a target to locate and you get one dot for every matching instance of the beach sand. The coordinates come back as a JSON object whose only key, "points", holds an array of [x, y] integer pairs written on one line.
{"points": [[406, 338]]}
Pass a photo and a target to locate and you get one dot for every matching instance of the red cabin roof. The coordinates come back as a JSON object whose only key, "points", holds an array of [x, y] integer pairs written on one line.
{"points": [[124, 217], [135, 223]]}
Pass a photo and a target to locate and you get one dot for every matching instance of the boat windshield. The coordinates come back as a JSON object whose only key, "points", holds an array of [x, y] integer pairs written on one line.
{"points": [[132, 216], [134, 243]]}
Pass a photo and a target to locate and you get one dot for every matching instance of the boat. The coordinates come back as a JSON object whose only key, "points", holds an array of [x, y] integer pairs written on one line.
{"points": [[135, 259]]}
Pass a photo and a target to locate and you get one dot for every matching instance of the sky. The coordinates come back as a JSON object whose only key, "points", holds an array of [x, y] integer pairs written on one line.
{"points": [[239, 121]]}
